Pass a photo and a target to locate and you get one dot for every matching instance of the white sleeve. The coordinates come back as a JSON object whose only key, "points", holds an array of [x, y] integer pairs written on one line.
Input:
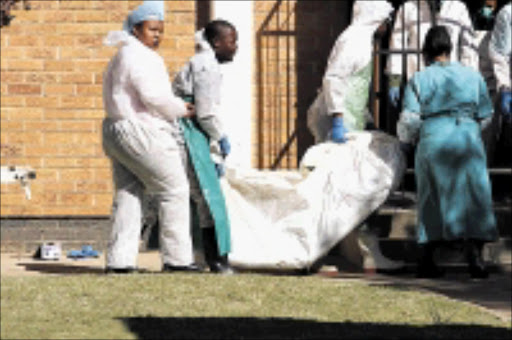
{"points": [[207, 82], [468, 42], [500, 48], [151, 80], [395, 60], [339, 69]]}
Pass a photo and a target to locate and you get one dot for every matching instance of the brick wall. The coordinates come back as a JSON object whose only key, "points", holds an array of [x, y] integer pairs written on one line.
{"points": [[51, 105], [293, 40]]}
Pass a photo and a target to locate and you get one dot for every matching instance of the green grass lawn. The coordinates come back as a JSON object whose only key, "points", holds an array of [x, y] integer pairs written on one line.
{"points": [[152, 306]]}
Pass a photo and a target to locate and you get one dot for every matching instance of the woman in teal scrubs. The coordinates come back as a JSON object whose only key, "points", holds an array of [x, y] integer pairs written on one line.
{"points": [[445, 106]]}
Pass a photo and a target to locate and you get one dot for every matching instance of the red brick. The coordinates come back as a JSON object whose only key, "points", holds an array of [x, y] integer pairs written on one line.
{"points": [[112, 5], [59, 65], [104, 201], [59, 89], [21, 114], [89, 90], [11, 77], [75, 53], [24, 89], [77, 125], [40, 77], [25, 65], [75, 4], [76, 78], [41, 53], [76, 102], [91, 16], [42, 102], [60, 16], [75, 199], [57, 40], [13, 52], [12, 126], [41, 125], [23, 40]]}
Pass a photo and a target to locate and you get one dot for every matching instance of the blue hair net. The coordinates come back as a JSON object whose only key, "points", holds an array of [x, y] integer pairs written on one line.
{"points": [[148, 10]]}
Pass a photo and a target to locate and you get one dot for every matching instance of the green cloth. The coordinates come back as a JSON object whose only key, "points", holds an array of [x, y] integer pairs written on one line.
{"points": [[199, 152], [356, 98]]}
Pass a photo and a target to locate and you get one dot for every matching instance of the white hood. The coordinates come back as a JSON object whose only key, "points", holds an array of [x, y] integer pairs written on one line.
{"points": [[370, 12], [200, 41], [117, 38]]}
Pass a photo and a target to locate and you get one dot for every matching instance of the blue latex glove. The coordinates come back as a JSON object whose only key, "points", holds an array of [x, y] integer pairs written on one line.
{"points": [[505, 104], [394, 95], [338, 130], [220, 170], [225, 146]]}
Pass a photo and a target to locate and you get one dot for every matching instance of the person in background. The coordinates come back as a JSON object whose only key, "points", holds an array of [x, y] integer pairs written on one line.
{"points": [[405, 36], [484, 22], [500, 46], [199, 82], [141, 118], [342, 103], [444, 107]]}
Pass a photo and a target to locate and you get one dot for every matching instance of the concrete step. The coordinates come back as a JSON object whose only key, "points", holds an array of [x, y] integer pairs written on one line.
{"points": [[501, 182], [397, 218], [395, 223], [496, 253]]}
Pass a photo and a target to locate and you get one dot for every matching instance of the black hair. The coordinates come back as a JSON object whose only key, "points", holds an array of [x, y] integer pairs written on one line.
{"points": [[214, 29], [437, 42]]}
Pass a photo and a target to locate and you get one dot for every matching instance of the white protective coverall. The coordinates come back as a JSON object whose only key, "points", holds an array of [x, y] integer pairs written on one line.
{"points": [[453, 14], [141, 119], [201, 78], [500, 46], [345, 87], [490, 129]]}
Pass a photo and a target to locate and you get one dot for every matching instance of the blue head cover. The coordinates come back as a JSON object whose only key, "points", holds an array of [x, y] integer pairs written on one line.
{"points": [[148, 10]]}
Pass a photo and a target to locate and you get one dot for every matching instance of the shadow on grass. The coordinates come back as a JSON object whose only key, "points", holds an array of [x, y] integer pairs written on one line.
{"points": [[60, 268], [285, 328]]}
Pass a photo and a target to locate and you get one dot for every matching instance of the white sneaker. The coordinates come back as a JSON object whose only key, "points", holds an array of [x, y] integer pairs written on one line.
{"points": [[373, 257]]}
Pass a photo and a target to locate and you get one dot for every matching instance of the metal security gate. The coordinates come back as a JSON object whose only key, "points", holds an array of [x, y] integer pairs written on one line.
{"points": [[385, 118]]}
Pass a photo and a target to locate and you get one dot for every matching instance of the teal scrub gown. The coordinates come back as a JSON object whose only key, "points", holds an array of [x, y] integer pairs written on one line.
{"points": [[443, 106]]}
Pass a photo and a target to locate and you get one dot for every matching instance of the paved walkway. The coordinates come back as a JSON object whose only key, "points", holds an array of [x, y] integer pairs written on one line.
{"points": [[493, 294]]}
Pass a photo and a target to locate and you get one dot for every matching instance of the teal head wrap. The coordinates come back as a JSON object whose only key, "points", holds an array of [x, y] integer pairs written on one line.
{"points": [[148, 10]]}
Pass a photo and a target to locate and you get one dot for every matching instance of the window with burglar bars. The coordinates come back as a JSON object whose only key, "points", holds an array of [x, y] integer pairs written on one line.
{"points": [[293, 41]]}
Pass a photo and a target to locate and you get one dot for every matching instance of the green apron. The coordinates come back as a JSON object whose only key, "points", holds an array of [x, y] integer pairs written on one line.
{"points": [[199, 153]]}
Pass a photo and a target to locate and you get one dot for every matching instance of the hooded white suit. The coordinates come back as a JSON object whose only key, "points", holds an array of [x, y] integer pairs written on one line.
{"points": [[345, 87], [453, 14], [139, 137]]}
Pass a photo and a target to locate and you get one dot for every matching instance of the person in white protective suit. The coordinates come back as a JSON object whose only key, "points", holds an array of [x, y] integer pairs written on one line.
{"points": [[484, 21], [199, 81], [138, 137], [342, 105], [500, 46], [405, 36]]}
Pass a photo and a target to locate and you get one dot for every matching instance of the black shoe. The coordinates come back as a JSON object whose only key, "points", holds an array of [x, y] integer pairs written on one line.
{"points": [[427, 268], [478, 272], [126, 270], [193, 268], [430, 271], [217, 263], [477, 269], [221, 267]]}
